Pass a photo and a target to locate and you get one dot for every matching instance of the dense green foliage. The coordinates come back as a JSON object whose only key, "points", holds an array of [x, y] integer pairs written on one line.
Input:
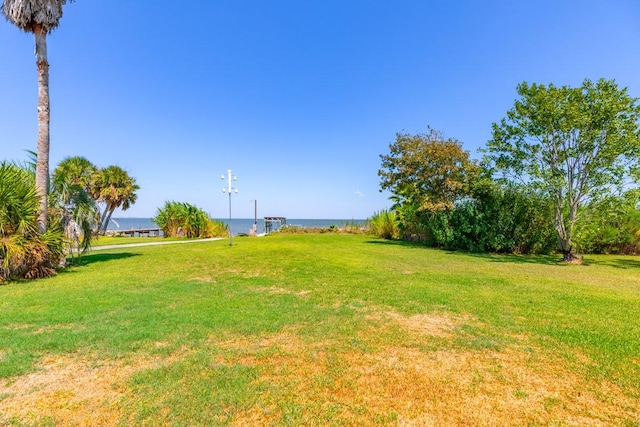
{"points": [[500, 217], [78, 187], [565, 155], [610, 225], [178, 219], [574, 144], [445, 200], [25, 251], [70, 197]]}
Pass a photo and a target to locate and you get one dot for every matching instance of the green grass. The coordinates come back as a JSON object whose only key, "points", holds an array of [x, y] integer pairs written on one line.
{"points": [[124, 240], [307, 329]]}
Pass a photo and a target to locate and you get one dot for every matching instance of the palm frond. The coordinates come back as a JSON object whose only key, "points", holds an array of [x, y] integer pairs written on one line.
{"points": [[25, 13]]}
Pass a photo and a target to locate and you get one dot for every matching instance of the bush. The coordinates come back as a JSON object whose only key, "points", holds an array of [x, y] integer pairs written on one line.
{"points": [[502, 218], [384, 224], [610, 225], [494, 217], [177, 219], [25, 252]]}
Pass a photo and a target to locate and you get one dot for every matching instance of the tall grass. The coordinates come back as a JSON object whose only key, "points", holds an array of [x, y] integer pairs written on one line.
{"points": [[384, 224], [179, 219]]}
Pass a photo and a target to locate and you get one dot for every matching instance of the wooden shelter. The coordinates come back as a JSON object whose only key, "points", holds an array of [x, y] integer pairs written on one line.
{"points": [[271, 221]]}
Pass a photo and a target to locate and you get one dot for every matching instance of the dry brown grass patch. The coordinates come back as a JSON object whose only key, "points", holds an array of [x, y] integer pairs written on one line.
{"points": [[486, 388], [66, 390], [394, 384], [410, 387], [439, 325], [73, 391], [276, 290], [203, 279]]}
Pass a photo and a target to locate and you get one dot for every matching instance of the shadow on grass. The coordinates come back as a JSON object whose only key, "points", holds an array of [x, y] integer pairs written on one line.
{"points": [[512, 258], [101, 257], [399, 243], [515, 259], [624, 263]]}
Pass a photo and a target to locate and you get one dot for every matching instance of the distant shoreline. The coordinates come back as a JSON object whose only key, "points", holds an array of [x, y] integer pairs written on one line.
{"points": [[238, 225]]}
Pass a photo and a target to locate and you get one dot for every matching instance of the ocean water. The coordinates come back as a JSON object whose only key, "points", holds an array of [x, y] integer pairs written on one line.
{"points": [[238, 225]]}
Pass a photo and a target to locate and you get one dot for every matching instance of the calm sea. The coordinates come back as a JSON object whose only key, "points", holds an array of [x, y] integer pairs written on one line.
{"points": [[238, 225]]}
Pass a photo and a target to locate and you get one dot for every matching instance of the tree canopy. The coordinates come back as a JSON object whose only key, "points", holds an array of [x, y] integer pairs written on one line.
{"points": [[575, 144], [425, 170], [115, 188], [29, 15]]}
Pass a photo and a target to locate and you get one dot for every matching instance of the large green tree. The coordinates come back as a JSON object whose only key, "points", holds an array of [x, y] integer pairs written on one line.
{"points": [[426, 174], [39, 17], [575, 144], [425, 170]]}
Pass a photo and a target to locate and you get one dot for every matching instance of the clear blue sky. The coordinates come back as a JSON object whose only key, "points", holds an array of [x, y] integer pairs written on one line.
{"points": [[298, 97]]}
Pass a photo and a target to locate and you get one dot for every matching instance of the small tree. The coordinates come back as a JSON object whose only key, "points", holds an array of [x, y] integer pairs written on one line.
{"points": [[113, 187], [572, 143], [71, 197]]}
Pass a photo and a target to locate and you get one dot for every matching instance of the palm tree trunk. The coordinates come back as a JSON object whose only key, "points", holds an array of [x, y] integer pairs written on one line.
{"points": [[107, 219], [103, 218], [42, 163]]}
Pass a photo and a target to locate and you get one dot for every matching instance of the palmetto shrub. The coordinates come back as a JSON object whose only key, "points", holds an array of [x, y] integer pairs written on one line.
{"points": [[25, 252], [179, 219]]}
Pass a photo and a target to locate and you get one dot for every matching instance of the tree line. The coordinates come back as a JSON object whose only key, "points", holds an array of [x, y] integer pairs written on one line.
{"points": [[560, 172]]}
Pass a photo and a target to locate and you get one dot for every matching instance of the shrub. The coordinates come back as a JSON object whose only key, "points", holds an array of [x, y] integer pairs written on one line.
{"points": [[177, 219], [501, 218], [610, 225], [25, 252], [384, 224], [494, 217]]}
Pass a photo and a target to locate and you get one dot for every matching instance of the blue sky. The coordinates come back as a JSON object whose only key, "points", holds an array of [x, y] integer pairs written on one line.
{"points": [[298, 97]]}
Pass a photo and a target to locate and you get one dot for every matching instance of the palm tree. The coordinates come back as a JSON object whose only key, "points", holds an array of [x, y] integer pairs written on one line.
{"points": [[39, 17], [116, 189], [71, 198], [74, 171]]}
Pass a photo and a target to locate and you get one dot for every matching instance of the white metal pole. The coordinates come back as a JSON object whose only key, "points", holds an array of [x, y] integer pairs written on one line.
{"points": [[229, 189]]}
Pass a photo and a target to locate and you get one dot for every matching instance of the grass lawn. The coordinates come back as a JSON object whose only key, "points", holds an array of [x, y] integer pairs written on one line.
{"points": [[322, 330], [121, 240]]}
